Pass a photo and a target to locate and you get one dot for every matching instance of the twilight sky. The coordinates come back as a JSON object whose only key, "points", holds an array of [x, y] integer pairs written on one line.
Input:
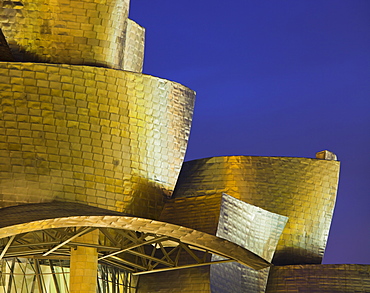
{"points": [[275, 78]]}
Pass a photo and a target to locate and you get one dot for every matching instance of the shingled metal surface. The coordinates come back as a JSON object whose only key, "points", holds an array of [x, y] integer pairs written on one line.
{"points": [[103, 137], [73, 32], [254, 229], [302, 189], [201, 212], [184, 281], [229, 218], [347, 278]]}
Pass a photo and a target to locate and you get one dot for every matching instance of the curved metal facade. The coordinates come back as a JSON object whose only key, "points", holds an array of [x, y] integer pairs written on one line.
{"points": [[229, 218], [302, 189], [73, 32], [111, 139], [319, 278], [90, 154]]}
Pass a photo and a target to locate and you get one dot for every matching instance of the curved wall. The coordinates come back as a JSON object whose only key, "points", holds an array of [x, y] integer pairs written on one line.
{"points": [[104, 137], [319, 278], [302, 189], [89, 32]]}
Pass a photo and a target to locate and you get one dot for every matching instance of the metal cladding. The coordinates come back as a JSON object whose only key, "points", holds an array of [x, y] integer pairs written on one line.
{"points": [[91, 151], [184, 281], [246, 225], [109, 138], [73, 32], [320, 278], [229, 218], [304, 190], [252, 228]]}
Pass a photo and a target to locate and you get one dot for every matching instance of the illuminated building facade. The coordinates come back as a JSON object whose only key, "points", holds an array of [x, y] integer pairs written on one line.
{"points": [[91, 151]]}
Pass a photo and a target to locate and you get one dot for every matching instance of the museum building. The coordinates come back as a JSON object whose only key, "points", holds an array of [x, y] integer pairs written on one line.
{"points": [[94, 194]]}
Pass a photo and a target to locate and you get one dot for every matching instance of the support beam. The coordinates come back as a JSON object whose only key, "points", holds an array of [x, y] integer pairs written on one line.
{"points": [[155, 240], [151, 258], [183, 267], [7, 246], [68, 240]]}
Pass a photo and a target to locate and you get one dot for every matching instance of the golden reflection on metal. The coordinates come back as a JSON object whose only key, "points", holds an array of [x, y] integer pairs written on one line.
{"points": [[319, 278], [73, 32], [229, 218], [82, 141], [302, 189], [252, 228], [180, 237], [111, 139]]}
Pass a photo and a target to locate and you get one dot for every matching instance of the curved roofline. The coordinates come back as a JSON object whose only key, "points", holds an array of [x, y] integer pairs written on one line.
{"points": [[186, 235], [76, 66], [251, 156]]}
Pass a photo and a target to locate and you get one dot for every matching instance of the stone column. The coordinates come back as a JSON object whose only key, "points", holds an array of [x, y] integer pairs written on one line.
{"points": [[84, 265]]}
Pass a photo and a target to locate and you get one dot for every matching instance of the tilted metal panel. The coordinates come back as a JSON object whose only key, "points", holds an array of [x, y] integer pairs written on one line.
{"points": [[227, 217], [253, 228], [300, 188], [249, 226]]}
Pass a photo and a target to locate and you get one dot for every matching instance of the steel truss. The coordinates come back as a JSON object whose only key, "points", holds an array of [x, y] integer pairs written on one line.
{"points": [[135, 252]]}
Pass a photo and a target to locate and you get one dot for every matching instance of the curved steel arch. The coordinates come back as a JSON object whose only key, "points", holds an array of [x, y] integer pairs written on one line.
{"points": [[182, 235]]}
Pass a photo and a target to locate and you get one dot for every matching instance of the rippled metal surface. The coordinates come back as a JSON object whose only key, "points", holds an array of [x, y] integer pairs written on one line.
{"points": [[73, 32], [320, 278], [250, 227], [108, 138], [201, 213], [227, 217], [302, 189], [102, 141]]}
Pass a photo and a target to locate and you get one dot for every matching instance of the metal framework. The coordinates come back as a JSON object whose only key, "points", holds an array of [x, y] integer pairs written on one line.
{"points": [[135, 252], [34, 275], [52, 276]]}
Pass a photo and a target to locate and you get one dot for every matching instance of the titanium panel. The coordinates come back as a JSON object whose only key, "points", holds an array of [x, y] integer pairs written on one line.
{"points": [[254, 229], [201, 213], [88, 32], [300, 188], [134, 47], [319, 278], [234, 277], [249, 226], [184, 281], [107, 138], [227, 217]]}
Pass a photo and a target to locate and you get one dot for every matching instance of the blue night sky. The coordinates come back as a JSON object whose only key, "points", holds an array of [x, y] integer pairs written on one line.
{"points": [[275, 78]]}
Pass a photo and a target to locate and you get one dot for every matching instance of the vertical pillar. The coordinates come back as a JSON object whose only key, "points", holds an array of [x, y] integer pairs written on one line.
{"points": [[84, 265]]}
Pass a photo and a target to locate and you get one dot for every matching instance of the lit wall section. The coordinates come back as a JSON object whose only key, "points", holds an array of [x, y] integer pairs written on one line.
{"points": [[109, 138], [302, 189], [73, 32]]}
